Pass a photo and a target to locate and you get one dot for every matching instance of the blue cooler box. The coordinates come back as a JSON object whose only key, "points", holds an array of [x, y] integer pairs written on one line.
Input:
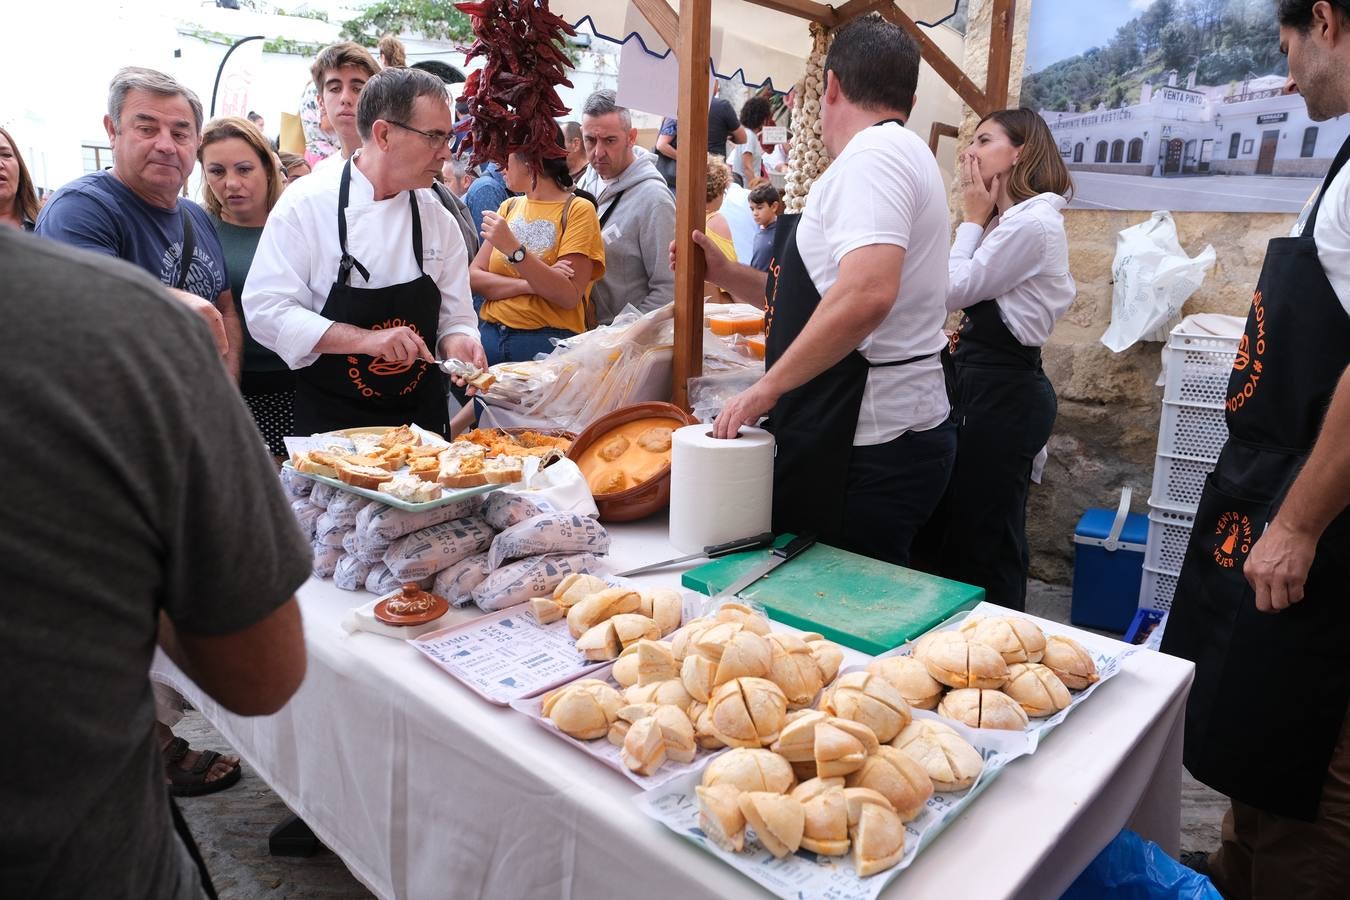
{"points": [[1108, 566]]}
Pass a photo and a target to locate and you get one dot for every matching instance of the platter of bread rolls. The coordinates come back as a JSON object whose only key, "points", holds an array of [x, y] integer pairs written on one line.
{"points": [[667, 703], [851, 787]]}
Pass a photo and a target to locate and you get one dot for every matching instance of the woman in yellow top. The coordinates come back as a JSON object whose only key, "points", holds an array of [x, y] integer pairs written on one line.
{"points": [[541, 254], [716, 227]]}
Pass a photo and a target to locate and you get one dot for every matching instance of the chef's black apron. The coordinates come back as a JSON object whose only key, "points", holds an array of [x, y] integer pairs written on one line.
{"points": [[1270, 690], [346, 390], [813, 424], [1005, 408]]}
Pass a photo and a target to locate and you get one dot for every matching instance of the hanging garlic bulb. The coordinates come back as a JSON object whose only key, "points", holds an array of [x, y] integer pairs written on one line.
{"points": [[807, 159]]}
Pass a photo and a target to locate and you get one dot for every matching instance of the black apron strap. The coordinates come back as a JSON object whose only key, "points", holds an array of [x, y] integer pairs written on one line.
{"points": [[348, 262], [180, 827], [416, 231], [609, 210], [1342, 157], [899, 362], [189, 248]]}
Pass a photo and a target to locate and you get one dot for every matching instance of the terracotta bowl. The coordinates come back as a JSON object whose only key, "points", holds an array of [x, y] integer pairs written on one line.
{"points": [[651, 495]]}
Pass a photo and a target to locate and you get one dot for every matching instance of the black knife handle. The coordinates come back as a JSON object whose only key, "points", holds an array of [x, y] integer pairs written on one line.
{"points": [[746, 543], [795, 546]]}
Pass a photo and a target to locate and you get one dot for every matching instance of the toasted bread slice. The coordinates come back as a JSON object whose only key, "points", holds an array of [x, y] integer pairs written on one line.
{"points": [[425, 450], [425, 467], [482, 381], [403, 434], [462, 472], [373, 462], [315, 462], [504, 469], [368, 477]]}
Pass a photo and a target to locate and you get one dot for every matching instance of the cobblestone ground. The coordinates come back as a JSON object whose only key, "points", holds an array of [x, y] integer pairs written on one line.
{"points": [[232, 826]]}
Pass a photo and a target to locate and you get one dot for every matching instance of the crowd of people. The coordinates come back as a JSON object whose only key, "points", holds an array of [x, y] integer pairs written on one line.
{"points": [[331, 284]]}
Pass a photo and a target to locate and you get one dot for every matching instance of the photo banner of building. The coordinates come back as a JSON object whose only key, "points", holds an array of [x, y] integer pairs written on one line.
{"points": [[1175, 104]]}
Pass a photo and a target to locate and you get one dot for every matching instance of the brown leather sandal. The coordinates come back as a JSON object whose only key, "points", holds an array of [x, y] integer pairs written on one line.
{"points": [[184, 782]]}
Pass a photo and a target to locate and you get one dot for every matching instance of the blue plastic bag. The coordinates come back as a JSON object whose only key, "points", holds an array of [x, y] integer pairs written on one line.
{"points": [[1131, 868]]}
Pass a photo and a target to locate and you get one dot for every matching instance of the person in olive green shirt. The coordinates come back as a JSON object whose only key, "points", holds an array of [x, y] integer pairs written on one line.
{"points": [[242, 181]]}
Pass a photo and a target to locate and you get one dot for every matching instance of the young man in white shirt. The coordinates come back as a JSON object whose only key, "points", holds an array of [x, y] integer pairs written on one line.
{"points": [[360, 271], [340, 71], [856, 301]]}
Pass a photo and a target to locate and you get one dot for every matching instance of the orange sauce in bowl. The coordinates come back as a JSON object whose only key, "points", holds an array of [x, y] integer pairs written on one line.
{"points": [[611, 467]]}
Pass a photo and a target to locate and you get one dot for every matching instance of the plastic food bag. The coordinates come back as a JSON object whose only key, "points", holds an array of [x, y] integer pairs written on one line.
{"points": [[349, 542], [325, 559], [382, 581], [430, 550], [1131, 868], [350, 573], [306, 515], [295, 484], [344, 507], [368, 550], [535, 576], [1153, 278], [330, 532], [549, 533], [502, 509], [456, 583], [389, 524], [322, 494]]}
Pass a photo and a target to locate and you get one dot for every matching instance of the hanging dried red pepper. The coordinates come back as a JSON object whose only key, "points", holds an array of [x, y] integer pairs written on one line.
{"points": [[514, 99]]}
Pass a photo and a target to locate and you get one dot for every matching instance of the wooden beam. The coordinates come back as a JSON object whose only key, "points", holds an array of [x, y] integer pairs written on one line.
{"points": [[694, 50], [854, 8], [662, 18], [938, 131], [1001, 27], [803, 9], [934, 55]]}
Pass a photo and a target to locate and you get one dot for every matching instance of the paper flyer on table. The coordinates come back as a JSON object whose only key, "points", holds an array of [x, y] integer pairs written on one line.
{"points": [[607, 752], [1108, 655], [806, 874], [507, 655]]}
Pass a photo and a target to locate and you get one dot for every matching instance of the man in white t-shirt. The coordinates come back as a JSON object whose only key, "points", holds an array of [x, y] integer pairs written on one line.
{"points": [[855, 297]]}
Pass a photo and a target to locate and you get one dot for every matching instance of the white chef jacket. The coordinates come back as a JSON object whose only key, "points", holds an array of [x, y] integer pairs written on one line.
{"points": [[297, 260], [1021, 262], [1332, 234]]}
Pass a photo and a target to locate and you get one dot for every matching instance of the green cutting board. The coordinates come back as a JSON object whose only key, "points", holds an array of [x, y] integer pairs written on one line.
{"points": [[857, 601]]}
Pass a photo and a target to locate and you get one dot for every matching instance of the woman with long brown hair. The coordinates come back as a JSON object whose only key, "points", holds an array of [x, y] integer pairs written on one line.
{"points": [[1008, 274], [18, 199], [241, 181]]}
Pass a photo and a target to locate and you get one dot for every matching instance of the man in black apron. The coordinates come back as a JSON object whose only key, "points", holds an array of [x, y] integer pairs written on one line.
{"points": [[372, 363], [1261, 605], [870, 496]]}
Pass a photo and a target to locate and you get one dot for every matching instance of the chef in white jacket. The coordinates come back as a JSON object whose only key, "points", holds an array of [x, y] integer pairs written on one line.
{"points": [[360, 271]]}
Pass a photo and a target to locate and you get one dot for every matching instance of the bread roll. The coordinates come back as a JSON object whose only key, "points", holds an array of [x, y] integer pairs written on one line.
{"points": [[1066, 658], [896, 776], [825, 812], [625, 670], [654, 662], [719, 816], [829, 657], [576, 587], [698, 673], [983, 709], [859, 797], [710, 641], [683, 638], [959, 663], [842, 746], [949, 759], [644, 750], [600, 642], [869, 699], [665, 693], [744, 655], [747, 712], [743, 615], [545, 610], [797, 741], [911, 680], [778, 820], [750, 770], [664, 606], [597, 607], [583, 709], [631, 628], [878, 841], [1037, 688], [1016, 639], [677, 732], [793, 668]]}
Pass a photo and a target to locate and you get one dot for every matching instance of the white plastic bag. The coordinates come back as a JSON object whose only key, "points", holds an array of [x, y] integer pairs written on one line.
{"points": [[438, 547], [1153, 279], [560, 487], [549, 533], [534, 576], [456, 583]]}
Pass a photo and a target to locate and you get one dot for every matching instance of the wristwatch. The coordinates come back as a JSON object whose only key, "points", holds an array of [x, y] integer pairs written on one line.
{"points": [[517, 256]]}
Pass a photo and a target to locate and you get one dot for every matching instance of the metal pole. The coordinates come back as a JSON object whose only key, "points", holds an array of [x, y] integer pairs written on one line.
{"points": [[221, 69]]}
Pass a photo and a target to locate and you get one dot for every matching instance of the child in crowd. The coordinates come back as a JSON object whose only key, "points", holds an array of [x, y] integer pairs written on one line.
{"points": [[766, 206]]}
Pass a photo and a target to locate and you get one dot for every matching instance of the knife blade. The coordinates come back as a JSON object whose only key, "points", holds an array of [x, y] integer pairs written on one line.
{"points": [[777, 557], [712, 551]]}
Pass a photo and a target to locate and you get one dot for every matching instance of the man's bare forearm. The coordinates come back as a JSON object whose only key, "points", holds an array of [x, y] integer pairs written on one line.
{"points": [[745, 283], [343, 338], [1322, 490]]}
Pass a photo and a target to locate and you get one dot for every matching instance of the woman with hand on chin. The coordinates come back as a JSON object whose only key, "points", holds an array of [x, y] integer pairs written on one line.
{"points": [[541, 254], [1008, 274], [241, 183]]}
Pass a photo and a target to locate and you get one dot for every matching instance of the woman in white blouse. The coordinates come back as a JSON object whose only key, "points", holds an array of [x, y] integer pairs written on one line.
{"points": [[1009, 276]]}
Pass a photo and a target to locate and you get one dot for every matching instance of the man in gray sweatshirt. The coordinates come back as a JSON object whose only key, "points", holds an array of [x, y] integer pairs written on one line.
{"points": [[637, 212]]}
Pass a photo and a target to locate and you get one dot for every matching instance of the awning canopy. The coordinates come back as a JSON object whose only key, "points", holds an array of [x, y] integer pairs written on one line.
{"points": [[754, 42]]}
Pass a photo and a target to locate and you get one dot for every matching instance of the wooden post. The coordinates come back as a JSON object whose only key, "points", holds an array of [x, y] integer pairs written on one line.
{"points": [[1001, 27], [938, 131], [932, 54], [662, 18], [691, 174]]}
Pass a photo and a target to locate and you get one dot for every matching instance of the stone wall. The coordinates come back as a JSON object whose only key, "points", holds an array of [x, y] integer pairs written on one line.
{"points": [[1113, 168], [1106, 434]]}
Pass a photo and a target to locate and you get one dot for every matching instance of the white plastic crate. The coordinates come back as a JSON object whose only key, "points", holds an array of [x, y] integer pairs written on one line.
{"points": [[1156, 589], [1179, 482], [1169, 532], [1196, 432], [1196, 365]]}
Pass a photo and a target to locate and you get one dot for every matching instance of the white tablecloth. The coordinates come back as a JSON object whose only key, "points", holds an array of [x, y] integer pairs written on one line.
{"points": [[425, 790]]}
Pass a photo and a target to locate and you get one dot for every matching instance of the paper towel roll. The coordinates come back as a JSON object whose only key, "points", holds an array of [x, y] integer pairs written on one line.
{"points": [[720, 490]]}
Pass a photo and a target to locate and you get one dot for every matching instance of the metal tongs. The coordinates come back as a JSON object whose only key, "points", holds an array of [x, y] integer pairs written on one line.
{"points": [[459, 367]]}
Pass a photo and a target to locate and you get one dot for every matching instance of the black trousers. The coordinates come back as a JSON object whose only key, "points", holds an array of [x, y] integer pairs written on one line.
{"points": [[978, 534], [893, 489]]}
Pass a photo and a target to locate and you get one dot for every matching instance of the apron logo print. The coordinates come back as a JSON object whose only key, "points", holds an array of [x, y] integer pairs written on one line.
{"points": [[1236, 531], [384, 368], [1249, 356]]}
